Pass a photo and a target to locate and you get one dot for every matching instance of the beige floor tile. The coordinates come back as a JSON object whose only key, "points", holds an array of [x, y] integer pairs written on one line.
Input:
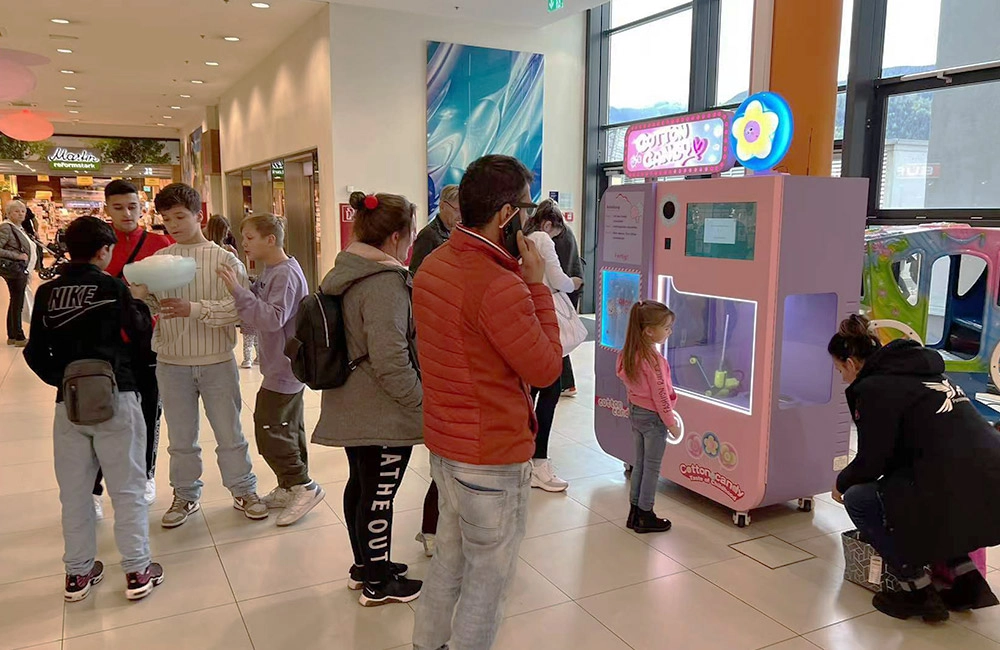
{"points": [[829, 547], [792, 644], [803, 597], [193, 535], [227, 524], [878, 631], [29, 424], [563, 627], [771, 552], [587, 561], [574, 420], [993, 557], [786, 522], [554, 512], [405, 548], [29, 450], [329, 468], [577, 461], [193, 581], [607, 494], [55, 645], [218, 628], [30, 511], [31, 612], [29, 477], [983, 621], [683, 611], [31, 554], [325, 617], [302, 558]]}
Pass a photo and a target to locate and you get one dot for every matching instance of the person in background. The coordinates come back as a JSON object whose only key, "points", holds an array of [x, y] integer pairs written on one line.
{"points": [[30, 226], [433, 235], [86, 314], [134, 244], [16, 246], [376, 415], [270, 306], [488, 331], [219, 231], [539, 228], [922, 487], [572, 265]]}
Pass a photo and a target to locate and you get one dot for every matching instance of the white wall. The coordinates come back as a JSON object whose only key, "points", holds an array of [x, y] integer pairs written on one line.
{"points": [[380, 98]]}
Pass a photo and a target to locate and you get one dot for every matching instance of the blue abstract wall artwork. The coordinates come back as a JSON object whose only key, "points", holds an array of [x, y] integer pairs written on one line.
{"points": [[481, 101]]}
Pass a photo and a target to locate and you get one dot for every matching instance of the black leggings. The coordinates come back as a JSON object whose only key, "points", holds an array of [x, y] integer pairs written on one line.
{"points": [[546, 400], [15, 285], [429, 525], [152, 409], [376, 473]]}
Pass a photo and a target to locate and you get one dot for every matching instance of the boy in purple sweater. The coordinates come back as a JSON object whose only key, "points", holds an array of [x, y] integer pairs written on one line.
{"points": [[279, 421]]}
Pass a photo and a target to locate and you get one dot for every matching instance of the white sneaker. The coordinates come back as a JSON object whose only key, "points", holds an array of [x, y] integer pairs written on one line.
{"points": [[543, 476], [150, 492], [247, 363], [98, 507], [429, 541], [304, 499], [277, 498]]}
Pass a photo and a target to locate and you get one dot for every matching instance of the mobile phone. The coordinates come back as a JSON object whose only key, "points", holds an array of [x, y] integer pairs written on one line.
{"points": [[510, 231]]}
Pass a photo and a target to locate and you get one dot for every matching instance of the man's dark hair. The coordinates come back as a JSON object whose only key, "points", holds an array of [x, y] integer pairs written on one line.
{"points": [[178, 194], [87, 235], [489, 184], [119, 188]]}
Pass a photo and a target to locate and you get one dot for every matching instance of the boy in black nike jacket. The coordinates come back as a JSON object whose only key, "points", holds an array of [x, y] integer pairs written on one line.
{"points": [[87, 314]]}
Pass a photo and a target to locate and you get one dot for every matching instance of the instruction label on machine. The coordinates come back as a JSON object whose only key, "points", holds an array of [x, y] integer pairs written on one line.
{"points": [[623, 228]]}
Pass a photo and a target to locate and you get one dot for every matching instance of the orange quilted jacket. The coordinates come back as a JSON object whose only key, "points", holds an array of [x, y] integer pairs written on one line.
{"points": [[483, 338]]}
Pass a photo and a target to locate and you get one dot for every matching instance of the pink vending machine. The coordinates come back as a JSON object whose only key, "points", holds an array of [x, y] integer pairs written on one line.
{"points": [[759, 271]]}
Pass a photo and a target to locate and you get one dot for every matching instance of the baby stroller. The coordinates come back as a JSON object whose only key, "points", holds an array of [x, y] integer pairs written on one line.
{"points": [[58, 252]]}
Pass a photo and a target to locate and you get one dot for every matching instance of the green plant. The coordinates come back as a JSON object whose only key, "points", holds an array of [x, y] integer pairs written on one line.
{"points": [[136, 151], [11, 149]]}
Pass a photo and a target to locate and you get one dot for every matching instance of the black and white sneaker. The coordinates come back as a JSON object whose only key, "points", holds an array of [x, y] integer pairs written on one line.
{"points": [[140, 584], [78, 587], [397, 590], [356, 576]]}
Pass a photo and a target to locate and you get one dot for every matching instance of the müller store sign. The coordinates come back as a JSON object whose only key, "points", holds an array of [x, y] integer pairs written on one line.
{"points": [[63, 159]]}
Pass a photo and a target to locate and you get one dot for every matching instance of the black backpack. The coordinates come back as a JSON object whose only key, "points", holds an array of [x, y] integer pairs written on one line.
{"points": [[318, 351]]}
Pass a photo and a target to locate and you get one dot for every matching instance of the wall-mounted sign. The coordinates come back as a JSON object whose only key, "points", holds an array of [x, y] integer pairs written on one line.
{"points": [[277, 170], [679, 146], [42, 178], [63, 158], [918, 170], [762, 131], [84, 181], [555, 5]]}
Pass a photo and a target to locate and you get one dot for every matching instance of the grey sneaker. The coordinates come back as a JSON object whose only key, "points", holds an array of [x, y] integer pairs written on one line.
{"points": [[304, 499], [277, 498], [251, 505], [179, 512]]}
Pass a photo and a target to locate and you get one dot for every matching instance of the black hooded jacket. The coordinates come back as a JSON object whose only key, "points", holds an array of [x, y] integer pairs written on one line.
{"points": [[935, 459]]}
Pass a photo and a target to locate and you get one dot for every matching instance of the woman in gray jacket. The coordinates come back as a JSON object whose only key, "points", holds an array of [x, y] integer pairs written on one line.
{"points": [[16, 249], [377, 415]]}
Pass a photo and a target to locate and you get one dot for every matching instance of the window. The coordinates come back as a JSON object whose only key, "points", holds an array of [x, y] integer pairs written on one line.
{"points": [[847, 19], [925, 35], [624, 12], [735, 45], [806, 366], [644, 86], [939, 149], [956, 305]]}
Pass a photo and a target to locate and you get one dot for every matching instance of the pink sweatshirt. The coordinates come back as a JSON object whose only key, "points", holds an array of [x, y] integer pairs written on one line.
{"points": [[654, 391]]}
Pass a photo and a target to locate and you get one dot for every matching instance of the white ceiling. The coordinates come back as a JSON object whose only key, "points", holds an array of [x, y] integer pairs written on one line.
{"points": [[133, 60]]}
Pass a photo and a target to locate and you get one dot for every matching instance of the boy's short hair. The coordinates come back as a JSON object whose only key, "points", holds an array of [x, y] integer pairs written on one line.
{"points": [[87, 235], [267, 224], [119, 188], [178, 194]]}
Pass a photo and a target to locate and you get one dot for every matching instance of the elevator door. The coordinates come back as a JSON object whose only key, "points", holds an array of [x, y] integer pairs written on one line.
{"points": [[300, 214]]}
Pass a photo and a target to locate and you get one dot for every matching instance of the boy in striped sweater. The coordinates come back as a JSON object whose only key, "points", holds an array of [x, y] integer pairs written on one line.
{"points": [[194, 341]]}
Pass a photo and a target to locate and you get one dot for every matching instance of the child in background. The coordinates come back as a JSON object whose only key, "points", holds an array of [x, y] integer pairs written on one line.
{"points": [[219, 231], [279, 417], [651, 397]]}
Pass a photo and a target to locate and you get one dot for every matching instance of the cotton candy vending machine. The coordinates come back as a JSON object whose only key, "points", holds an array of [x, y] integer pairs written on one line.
{"points": [[759, 271]]}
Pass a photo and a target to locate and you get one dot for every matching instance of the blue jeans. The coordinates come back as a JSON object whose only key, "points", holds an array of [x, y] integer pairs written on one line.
{"points": [[864, 505], [483, 514], [650, 436], [218, 385]]}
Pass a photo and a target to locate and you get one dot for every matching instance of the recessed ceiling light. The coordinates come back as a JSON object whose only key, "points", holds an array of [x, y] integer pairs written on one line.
{"points": [[168, 117], [160, 124], [64, 51], [260, 5], [233, 39], [72, 101], [68, 71], [75, 112], [69, 87], [212, 63], [186, 96], [175, 108], [197, 81], [60, 21]]}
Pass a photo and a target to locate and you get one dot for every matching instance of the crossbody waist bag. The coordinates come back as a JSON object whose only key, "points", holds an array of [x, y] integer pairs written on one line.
{"points": [[90, 392]]}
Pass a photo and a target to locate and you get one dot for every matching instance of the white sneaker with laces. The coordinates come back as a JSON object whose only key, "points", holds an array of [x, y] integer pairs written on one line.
{"points": [[150, 495], [304, 499], [543, 475], [247, 364], [98, 507], [277, 498]]}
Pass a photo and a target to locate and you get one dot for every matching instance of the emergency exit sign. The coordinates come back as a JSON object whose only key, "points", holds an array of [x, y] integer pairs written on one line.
{"points": [[555, 5]]}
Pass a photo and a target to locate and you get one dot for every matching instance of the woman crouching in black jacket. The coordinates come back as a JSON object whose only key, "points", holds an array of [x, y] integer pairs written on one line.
{"points": [[923, 486]]}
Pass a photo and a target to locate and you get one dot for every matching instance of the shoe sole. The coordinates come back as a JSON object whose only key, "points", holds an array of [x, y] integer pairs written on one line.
{"points": [[249, 515], [321, 494], [358, 585], [196, 508], [77, 596], [142, 592], [388, 600], [548, 488], [643, 531]]}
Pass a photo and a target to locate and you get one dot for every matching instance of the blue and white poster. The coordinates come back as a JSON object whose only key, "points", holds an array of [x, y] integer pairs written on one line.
{"points": [[481, 101]]}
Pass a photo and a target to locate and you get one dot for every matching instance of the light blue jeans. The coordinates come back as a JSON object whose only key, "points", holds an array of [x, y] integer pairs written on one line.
{"points": [[218, 385], [484, 511], [117, 446], [650, 436]]}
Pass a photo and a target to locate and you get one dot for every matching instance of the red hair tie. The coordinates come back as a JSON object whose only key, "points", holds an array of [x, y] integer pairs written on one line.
{"points": [[371, 202]]}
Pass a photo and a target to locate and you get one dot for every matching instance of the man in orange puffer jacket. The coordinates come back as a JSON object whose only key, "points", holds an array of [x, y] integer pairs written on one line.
{"points": [[487, 331]]}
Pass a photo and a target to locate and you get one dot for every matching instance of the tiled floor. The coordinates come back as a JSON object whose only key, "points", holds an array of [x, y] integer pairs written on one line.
{"points": [[584, 581]]}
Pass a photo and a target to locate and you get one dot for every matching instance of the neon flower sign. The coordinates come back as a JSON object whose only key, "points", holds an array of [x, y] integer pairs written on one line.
{"points": [[679, 146], [762, 131]]}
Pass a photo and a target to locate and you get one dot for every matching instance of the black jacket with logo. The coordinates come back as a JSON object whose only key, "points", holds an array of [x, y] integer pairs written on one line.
{"points": [[84, 313], [935, 459]]}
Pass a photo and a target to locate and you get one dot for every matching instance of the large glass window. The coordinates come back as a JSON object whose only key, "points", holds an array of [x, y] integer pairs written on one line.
{"points": [[644, 86], [624, 12], [735, 45], [925, 35]]}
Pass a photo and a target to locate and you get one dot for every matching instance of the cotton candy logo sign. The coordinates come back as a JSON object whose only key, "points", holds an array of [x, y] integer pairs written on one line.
{"points": [[679, 146]]}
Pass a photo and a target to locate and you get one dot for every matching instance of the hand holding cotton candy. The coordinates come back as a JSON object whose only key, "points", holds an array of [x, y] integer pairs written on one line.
{"points": [[162, 272]]}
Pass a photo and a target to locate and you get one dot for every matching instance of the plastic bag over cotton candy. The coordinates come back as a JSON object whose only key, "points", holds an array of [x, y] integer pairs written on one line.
{"points": [[162, 272]]}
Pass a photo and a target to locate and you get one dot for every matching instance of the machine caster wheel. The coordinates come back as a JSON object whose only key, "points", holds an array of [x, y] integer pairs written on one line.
{"points": [[806, 504], [741, 519]]}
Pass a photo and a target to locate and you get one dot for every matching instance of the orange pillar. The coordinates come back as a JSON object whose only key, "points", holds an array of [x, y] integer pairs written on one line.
{"points": [[805, 52]]}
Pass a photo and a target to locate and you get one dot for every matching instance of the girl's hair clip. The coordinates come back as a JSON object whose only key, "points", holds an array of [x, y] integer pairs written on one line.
{"points": [[371, 202]]}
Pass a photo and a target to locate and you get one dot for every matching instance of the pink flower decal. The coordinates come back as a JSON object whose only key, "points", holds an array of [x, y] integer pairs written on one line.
{"points": [[694, 448]]}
